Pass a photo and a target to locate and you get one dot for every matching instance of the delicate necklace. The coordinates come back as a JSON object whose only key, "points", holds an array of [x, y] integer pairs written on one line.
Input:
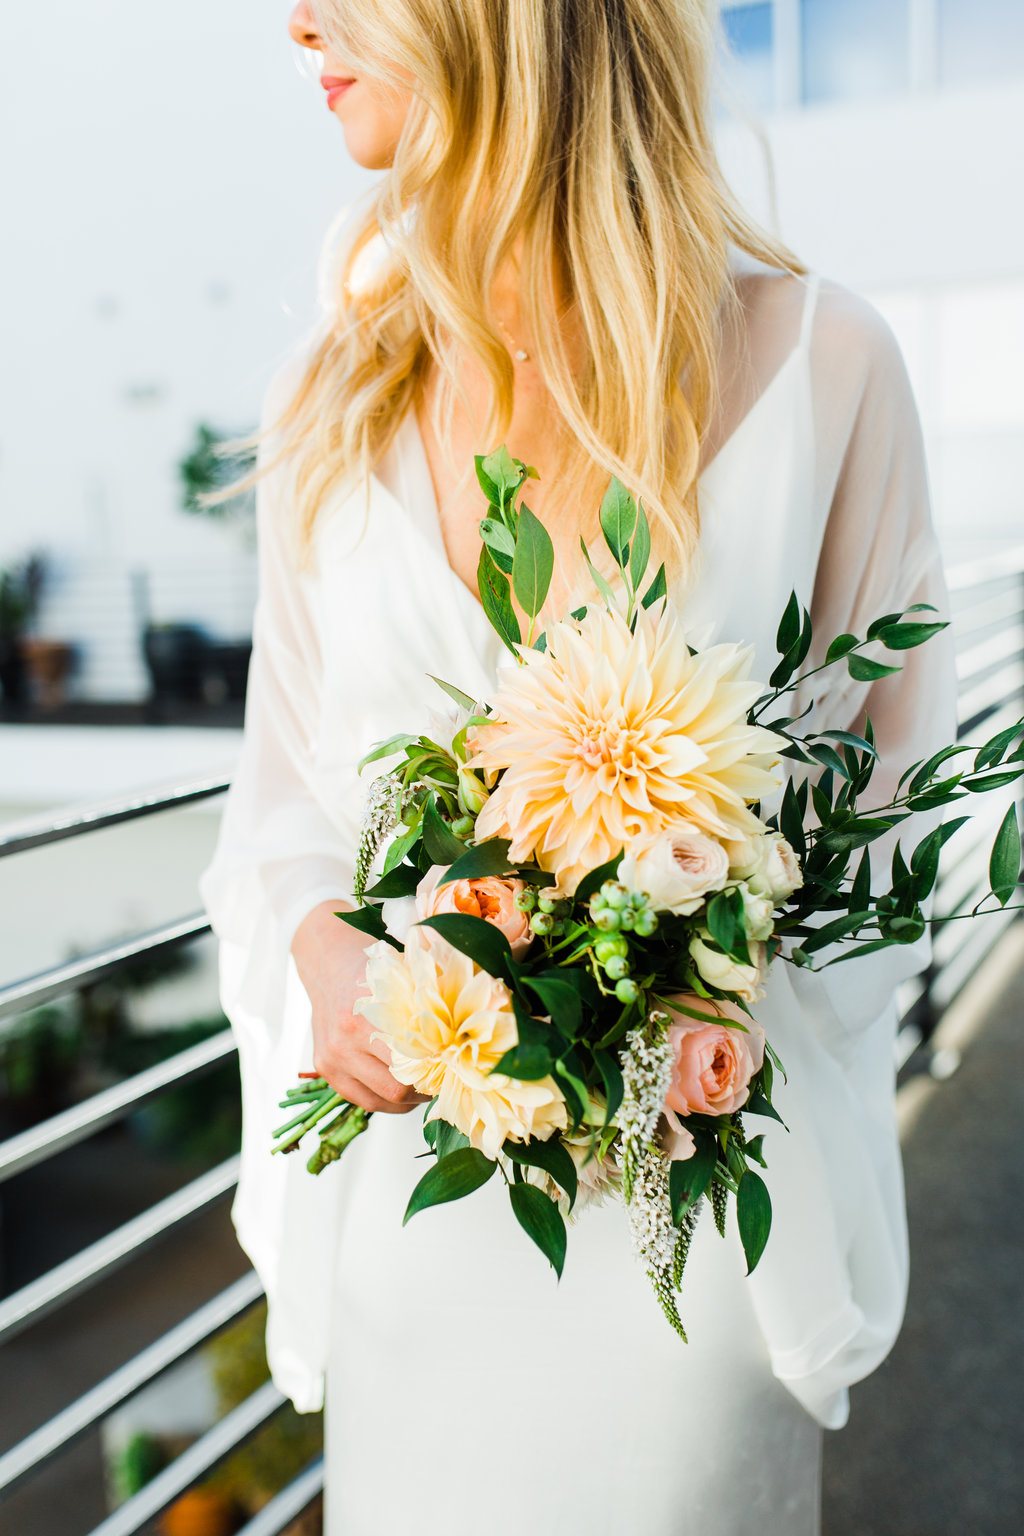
{"points": [[519, 353]]}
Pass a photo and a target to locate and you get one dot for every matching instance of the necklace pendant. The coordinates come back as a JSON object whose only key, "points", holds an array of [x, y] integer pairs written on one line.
{"points": [[521, 356]]}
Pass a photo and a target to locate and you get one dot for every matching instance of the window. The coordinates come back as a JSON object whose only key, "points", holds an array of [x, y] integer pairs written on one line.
{"points": [[979, 40], [747, 31], [856, 48]]}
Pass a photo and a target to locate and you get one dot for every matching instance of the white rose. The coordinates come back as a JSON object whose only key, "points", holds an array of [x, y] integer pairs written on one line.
{"points": [[758, 914], [398, 914], [676, 869], [778, 872], [744, 981]]}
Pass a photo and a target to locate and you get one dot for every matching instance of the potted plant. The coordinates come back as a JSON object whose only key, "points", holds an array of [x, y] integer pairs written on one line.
{"points": [[21, 586]]}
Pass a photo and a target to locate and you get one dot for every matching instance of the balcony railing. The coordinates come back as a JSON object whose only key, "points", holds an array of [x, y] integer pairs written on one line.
{"points": [[988, 607]]}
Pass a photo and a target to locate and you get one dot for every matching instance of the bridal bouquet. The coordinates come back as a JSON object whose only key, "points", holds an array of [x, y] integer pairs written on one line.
{"points": [[586, 879]]}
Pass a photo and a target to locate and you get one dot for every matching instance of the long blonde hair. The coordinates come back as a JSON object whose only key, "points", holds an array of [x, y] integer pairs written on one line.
{"points": [[585, 127]]}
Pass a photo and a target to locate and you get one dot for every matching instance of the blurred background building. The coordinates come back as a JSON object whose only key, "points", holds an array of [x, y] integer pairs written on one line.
{"points": [[169, 177]]}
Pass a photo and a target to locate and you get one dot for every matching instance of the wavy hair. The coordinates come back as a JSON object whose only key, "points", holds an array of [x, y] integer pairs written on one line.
{"points": [[583, 127]]}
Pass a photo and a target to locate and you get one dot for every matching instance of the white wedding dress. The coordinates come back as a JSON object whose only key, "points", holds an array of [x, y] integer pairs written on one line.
{"points": [[467, 1392]]}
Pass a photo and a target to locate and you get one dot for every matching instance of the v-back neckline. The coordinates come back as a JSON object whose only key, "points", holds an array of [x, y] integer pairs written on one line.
{"points": [[412, 426]]}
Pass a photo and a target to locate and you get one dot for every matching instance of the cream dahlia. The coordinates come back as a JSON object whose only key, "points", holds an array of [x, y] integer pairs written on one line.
{"points": [[607, 736], [447, 1025]]}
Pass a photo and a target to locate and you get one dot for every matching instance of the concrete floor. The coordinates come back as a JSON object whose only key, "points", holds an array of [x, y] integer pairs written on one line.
{"points": [[935, 1444]]}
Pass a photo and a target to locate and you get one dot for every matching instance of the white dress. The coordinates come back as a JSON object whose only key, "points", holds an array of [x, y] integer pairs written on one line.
{"points": [[467, 1391]]}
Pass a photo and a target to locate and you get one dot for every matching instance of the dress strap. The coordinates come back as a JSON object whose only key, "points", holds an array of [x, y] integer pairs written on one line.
{"points": [[810, 301]]}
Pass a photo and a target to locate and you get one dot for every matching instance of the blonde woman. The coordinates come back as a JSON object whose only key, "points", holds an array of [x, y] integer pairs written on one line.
{"points": [[551, 259]]}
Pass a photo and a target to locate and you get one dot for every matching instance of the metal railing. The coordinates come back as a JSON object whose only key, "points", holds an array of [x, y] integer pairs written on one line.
{"points": [[988, 607], [987, 610], [99, 1261]]}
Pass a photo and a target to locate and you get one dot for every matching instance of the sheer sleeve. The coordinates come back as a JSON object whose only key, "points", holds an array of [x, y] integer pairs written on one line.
{"points": [[831, 1287], [279, 853], [285, 845], [879, 555]]}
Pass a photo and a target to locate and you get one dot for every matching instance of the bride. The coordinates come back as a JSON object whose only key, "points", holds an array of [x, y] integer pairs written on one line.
{"points": [[552, 260]]}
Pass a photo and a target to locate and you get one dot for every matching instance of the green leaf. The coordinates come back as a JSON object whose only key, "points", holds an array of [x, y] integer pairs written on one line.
{"points": [[533, 1055], [400, 881], [860, 743], [788, 632], [753, 1216], [1004, 865], [398, 849], [598, 580], [485, 944], [501, 471], [992, 751], [487, 485], [611, 1077], [368, 920], [552, 1157], [541, 1220], [500, 543], [456, 695], [448, 1139], [842, 645], [560, 999], [496, 603], [573, 1087], [863, 670], [597, 877], [657, 589], [758, 1104], [489, 858], [860, 892], [877, 625], [389, 748], [688, 1180], [903, 637], [452, 1178], [618, 519], [640, 553], [722, 920], [534, 563], [438, 838], [828, 757]]}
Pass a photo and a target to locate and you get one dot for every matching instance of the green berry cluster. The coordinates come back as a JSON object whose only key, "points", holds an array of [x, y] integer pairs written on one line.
{"points": [[615, 909], [548, 913], [614, 912]]}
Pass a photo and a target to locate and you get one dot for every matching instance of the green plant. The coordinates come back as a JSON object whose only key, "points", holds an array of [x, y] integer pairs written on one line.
{"points": [[207, 467], [136, 1465], [21, 587]]}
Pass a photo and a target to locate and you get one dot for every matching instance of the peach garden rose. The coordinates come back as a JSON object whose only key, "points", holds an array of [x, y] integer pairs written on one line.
{"points": [[713, 1063], [488, 896]]}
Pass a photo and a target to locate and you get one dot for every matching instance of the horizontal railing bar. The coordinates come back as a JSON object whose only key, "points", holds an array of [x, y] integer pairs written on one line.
{"points": [[973, 573], [40, 830], [82, 1120], [19, 996], [980, 608], [1004, 647], [73, 1421], [58, 1285], [287, 1505], [192, 1465]]}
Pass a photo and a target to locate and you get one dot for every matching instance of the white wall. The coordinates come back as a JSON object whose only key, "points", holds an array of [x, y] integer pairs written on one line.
{"points": [[916, 202], [171, 179]]}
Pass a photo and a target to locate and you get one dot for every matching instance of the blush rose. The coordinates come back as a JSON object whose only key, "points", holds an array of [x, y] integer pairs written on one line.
{"points": [[713, 1062]]}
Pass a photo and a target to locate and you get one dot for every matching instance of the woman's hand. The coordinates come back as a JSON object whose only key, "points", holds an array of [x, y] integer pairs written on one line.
{"points": [[331, 961]]}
